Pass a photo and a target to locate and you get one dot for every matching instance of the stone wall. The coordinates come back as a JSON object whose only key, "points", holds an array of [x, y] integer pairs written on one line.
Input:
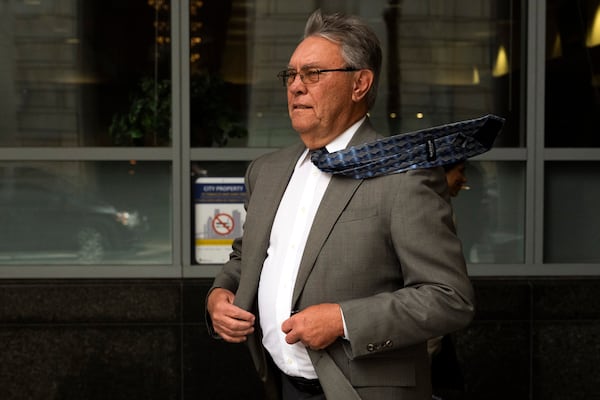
{"points": [[146, 339]]}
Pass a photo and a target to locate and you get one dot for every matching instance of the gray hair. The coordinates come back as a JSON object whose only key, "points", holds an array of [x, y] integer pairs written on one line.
{"points": [[359, 43]]}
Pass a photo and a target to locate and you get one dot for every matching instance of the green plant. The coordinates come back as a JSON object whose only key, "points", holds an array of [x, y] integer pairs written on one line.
{"points": [[214, 120], [148, 120]]}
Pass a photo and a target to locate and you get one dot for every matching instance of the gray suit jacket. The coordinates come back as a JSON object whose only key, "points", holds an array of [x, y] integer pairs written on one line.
{"points": [[385, 249]]}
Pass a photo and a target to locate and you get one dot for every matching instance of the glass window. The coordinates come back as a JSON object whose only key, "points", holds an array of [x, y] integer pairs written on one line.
{"points": [[572, 73], [443, 62], [85, 73], [571, 223], [97, 75], [490, 215], [73, 212]]}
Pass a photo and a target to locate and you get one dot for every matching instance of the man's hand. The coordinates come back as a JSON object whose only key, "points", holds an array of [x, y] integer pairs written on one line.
{"points": [[316, 326], [230, 322]]}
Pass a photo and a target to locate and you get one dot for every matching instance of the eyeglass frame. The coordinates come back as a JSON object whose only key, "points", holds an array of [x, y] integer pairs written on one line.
{"points": [[288, 78]]}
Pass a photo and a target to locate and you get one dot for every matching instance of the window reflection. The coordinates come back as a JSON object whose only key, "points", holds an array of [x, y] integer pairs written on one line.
{"points": [[219, 45], [85, 213], [444, 61], [572, 73], [490, 216], [571, 220], [85, 73]]}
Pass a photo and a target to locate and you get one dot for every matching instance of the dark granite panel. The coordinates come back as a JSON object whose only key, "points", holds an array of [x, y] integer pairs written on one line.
{"points": [[217, 370], [76, 363], [89, 301], [566, 360], [194, 296], [502, 299], [495, 360], [213, 369], [562, 299], [144, 338]]}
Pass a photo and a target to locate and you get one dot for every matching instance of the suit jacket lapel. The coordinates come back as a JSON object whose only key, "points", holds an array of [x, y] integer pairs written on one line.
{"points": [[338, 194], [274, 177]]}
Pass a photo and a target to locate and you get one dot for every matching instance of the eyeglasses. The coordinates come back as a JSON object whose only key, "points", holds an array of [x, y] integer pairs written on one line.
{"points": [[309, 75]]}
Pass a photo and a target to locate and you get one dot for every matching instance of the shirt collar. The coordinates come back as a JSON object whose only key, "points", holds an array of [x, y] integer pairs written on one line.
{"points": [[341, 142]]}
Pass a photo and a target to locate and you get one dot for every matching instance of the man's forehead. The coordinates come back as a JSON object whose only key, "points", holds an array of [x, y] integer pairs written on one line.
{"points": [[305, 67], [315, 51]]}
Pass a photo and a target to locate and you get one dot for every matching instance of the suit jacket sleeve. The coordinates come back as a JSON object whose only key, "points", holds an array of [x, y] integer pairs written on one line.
{"points": [[434, 295], [230, 275]]}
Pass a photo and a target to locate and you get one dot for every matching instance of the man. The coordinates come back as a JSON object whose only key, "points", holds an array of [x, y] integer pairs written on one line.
{"points": [[340, 282], [446, 375], [456, 177]]}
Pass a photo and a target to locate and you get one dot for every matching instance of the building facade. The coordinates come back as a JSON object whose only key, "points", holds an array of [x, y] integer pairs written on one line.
{"points": [[112, 113]]}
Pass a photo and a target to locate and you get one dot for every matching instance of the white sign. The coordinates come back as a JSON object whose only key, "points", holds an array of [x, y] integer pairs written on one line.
{"points": [[220, 214]]}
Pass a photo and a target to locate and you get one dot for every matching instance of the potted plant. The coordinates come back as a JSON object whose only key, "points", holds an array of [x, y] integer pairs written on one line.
{"points": [[148, 120]]}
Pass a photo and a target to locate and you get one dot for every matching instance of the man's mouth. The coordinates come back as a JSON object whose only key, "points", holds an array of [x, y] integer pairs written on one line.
{"points": [[301, 107]]}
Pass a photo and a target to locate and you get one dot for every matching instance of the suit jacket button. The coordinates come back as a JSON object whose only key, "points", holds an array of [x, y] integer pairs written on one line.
{"points": [[388, 343], [370, 347]]}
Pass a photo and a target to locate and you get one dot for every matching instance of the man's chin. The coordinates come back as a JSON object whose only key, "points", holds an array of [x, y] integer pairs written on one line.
{"points": [[303, 128]]}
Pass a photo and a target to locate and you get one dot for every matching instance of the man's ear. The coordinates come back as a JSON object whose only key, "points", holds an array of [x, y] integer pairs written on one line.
{"points": [[363, 80]]}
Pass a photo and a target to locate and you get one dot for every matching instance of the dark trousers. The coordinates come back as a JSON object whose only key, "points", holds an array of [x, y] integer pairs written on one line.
{"points": [[446, 375], [291, 391]]}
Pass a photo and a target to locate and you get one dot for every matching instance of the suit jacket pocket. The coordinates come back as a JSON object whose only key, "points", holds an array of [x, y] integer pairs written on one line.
{"points": [[357, 214]]}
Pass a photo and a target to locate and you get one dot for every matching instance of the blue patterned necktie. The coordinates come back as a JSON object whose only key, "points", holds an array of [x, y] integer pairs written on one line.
{"points": [[426, 148]]}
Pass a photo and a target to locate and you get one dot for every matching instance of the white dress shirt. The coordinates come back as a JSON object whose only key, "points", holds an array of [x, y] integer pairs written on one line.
{"points": [[290, 230]]}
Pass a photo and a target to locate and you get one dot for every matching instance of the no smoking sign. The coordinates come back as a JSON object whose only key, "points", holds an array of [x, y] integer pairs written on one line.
{"points": [[223, 224]]}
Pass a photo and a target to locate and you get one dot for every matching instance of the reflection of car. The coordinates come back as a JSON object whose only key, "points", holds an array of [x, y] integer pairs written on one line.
{"points": [[47, 221]]}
